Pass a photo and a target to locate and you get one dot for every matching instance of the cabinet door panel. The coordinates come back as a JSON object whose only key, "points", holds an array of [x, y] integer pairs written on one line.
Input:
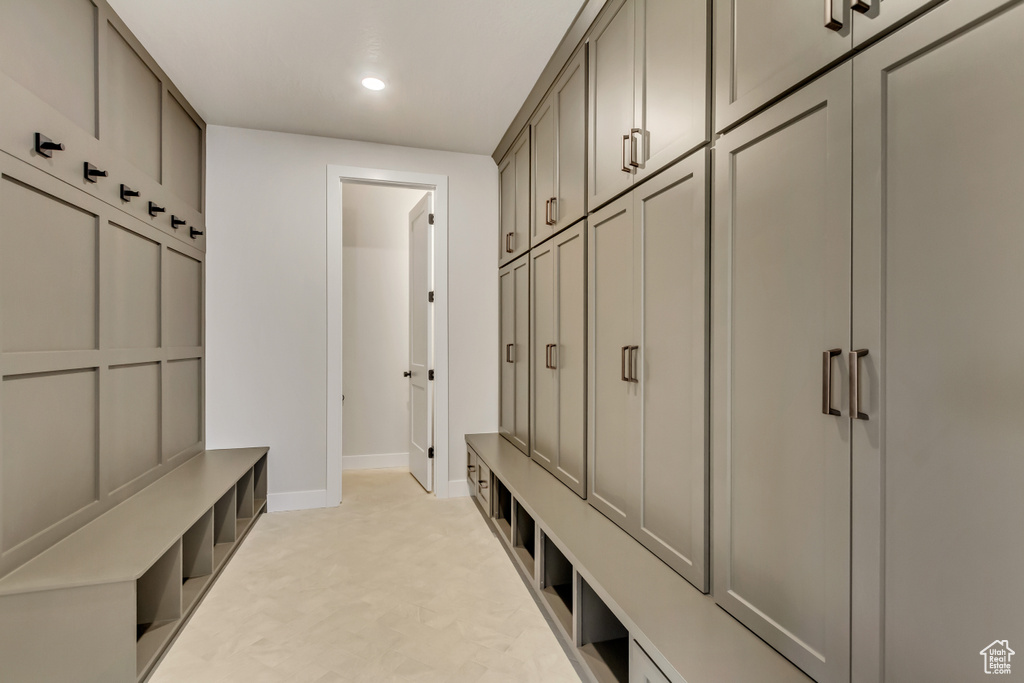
{"points": [[611, 48], [544, 382], [521, 237], [570, 357], [521, 354], [132, 106], [544, 168], [886, 15], [764, 48], [782, 298], [938, 285], [613, 403], [672, 80], [571, 105], [672, 216], [507, 207], [507, 339]]}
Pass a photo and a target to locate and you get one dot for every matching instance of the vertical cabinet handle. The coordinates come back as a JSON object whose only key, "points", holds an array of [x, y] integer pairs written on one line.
{"points": [[862, 6], [826, 381], [553, 204], [622, 363], [547, 212], [634, 353], [634, 153], [549, 356], [510, 242], [625, 167], [831, 22], [508, 353], [855, 357]]}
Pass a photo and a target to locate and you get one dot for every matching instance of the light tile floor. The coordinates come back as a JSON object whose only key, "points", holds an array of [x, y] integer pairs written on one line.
{"points": [[393, 585]]}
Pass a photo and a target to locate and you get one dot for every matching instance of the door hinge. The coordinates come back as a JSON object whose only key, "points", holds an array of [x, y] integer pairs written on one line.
{"points": [[430, 375], [430, 297], [430, 218], [430, 452]]}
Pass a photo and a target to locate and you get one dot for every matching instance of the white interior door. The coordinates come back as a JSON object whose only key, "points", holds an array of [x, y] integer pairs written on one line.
{"points": [[421, 397]]}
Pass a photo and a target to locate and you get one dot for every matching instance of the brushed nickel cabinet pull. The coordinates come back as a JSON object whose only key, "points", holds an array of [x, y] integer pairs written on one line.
{"points": [[634, 353], [553, 204], [508, 353], [549, 356], [855, 357], [862, 6], [622, 363], [625, 141], [634, 154], [826, 381], [831, 22]]}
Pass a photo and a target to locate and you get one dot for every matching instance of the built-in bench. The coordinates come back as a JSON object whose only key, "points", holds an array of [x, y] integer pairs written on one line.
{"points": [[625, 613], [105, 603]]}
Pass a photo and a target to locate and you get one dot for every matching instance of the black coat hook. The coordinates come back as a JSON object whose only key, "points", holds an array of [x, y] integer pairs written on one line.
{"points": [[154, 209], [45, 147], [127, 193], [92, 173]]}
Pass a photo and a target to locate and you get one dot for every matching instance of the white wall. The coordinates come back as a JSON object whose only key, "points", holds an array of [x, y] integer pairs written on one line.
{"points": [[375, 336], [266, 296]]}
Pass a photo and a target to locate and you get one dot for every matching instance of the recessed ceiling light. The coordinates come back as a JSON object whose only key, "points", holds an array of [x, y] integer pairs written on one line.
{"points": [[371, 83]]}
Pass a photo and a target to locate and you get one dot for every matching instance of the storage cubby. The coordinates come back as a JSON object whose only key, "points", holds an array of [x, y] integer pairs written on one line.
{"points": [[556, 582], [524, 538], [503, 509], [158, 606], [603, 640], [196, 559], [224, 527], [259, 483], [244, 500]]}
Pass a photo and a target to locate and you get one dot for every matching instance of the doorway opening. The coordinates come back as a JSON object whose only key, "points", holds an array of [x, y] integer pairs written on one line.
{"points": [[387, 325]]}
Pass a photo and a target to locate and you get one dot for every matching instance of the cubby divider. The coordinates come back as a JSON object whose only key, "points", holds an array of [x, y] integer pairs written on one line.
{"points": [[524, 539], [503, 509], [556, 583], [603, 640], [197, 558], [224, 527], [244, 501], [158, 605]]}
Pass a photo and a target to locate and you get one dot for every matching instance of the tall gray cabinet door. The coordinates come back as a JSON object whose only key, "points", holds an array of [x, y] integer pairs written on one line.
{"points": [[506, 350], [781, 306], [764, 48], [514, 212], [671, 80], [672, 224], [521, 354], [611, 55], [543, 377], [570, 95], [545, 160], [881, 16], [569, 355], [938, 284], [613, 397]]}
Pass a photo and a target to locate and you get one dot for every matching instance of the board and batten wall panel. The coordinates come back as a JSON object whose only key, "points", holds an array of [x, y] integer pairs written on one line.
{"points": [[101, 304]]}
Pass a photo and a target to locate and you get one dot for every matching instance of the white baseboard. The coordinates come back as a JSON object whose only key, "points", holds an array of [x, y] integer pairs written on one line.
{"points": [[296, 500], [458, 489], [377, 461]]}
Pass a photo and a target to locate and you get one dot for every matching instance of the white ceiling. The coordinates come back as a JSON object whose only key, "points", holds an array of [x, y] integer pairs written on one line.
{"points": [[457, 70]]}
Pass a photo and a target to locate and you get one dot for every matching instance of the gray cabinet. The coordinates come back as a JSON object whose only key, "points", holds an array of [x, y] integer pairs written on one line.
{"points": [[641, 668], [514, 335], [648, 91], [763, 49], [558, 332], [647, 440], [782, 323], [559, 153], [937, 289], [514, 212]]}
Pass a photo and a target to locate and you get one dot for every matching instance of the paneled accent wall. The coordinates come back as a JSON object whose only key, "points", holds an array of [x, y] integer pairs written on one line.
{"points": [[101, 294]]}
